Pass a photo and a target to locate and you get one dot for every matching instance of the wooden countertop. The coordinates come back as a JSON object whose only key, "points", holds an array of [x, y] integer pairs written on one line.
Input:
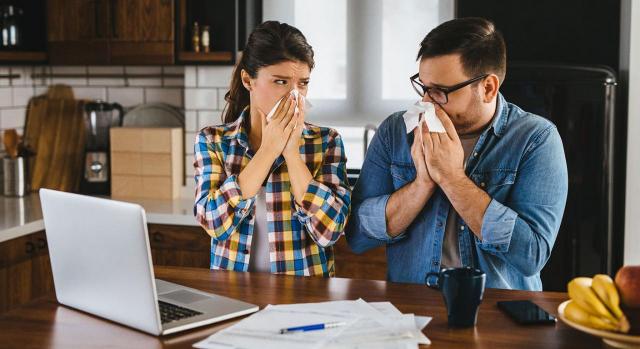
{"points": [[45, 324]]}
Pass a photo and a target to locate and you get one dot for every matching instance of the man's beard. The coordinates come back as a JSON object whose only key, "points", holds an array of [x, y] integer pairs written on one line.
{"points": [[467, 122]]}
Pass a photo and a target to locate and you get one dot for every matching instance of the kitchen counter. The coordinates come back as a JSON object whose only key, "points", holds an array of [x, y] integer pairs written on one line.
{"points": [[23, 216]]}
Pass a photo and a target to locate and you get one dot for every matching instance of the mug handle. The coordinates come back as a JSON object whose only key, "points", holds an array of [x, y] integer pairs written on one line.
{"points": [[438, 282]]}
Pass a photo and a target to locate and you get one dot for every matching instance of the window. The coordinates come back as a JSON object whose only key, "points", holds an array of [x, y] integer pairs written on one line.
{"points": [[323, 23], [365, 51]]}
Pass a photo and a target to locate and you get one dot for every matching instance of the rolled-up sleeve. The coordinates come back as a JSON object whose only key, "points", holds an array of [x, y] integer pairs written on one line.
{"points": [[325, 205], [219, 207], [523, 229], [497, 227]]}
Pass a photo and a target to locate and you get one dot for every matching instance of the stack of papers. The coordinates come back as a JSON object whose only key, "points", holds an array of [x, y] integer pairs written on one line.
{"points": [[368, 325]]}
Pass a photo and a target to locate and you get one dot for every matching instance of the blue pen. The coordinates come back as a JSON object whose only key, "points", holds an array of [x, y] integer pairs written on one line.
{"points": [[314, 327]]}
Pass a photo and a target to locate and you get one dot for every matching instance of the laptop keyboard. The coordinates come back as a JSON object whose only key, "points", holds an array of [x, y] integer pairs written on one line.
{"points": [[171, 312]]}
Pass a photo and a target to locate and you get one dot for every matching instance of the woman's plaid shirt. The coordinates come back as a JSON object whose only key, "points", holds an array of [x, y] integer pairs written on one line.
{"points": [[300, 236]]}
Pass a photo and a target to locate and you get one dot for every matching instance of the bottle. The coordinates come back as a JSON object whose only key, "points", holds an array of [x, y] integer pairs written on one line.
{"points": [[205, 39], [11, 33], [195, 37]]}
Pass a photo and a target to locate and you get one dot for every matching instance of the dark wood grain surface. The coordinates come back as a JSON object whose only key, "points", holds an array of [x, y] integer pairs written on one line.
{"points": [[45, 324]]}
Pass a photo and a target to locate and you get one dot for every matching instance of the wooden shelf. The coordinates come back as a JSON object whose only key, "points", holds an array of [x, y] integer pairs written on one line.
{"points": [[23, 56], [219, 56]]}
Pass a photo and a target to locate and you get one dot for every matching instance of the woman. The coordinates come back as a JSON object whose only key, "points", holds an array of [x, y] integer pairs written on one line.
{"points": [[271, 189]]}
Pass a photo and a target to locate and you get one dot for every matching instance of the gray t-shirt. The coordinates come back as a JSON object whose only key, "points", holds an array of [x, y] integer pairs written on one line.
{"points": [[450, 245], [259, 259]]}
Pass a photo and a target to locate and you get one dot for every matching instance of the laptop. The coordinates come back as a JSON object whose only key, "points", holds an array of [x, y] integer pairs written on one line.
{"points": [[101, 263]]}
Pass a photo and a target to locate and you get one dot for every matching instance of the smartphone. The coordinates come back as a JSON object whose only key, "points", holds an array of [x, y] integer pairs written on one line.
{"points": [[526, 312]]}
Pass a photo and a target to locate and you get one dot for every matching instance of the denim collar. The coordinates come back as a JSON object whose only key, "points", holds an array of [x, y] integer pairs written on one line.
{"points": [[500, 118]]}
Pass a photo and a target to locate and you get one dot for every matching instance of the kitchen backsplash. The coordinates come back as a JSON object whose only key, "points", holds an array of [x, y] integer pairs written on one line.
{"points": [[203, 102], [198, 90]]}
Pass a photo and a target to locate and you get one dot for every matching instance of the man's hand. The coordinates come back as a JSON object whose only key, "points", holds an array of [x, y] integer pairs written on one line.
{"points": [[445, 162], [405, 204], [423, 179], [444, 155]]}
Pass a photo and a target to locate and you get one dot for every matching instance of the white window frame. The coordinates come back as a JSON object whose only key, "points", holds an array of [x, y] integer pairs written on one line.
{"points": [[364, 103]]}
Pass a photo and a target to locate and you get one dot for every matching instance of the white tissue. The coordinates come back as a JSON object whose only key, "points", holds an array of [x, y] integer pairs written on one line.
{"points": [[428, 111], [295, 94]]}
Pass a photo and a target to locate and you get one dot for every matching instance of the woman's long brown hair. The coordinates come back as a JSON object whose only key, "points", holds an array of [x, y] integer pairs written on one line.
{"points": [[270, 43]]}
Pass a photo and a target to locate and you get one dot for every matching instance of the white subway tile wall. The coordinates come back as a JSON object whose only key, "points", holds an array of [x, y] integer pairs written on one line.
{"points": [[6, 97], [191, 121], [4, 71], [214, 76], [176, 85], [203, 104], [22, 95], [71, 81], [167, 95], [126, 96], [81, 92], [208, 118], [201, 98], [12, 118], [190, 79]]}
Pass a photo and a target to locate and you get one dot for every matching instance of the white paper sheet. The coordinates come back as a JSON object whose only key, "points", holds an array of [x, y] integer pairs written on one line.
{"points": [[376, 325]]}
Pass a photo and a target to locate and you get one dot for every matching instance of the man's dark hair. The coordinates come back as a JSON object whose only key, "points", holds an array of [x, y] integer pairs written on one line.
{"points": [[480, 45]]}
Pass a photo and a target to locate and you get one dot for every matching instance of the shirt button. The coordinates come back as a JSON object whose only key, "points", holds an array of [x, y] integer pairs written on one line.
{"points": [[462, 227], [440, 224], [245, 251], [475, 154], [435, 263], [482, 184]]}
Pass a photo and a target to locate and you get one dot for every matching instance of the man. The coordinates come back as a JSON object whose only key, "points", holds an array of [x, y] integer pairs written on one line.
{"points": [[489, 193]]}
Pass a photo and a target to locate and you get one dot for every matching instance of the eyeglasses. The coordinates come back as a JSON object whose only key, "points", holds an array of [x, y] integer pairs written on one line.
{"points": [[440, 95]]}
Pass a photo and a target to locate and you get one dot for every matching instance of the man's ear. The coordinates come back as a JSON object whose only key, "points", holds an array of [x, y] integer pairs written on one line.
{"points": [[246, 79], [490, 86]]}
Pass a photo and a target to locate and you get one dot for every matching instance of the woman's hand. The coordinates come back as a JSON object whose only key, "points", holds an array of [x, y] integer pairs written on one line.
{"points": [[299, 174], [292, 149], [276, 132]]}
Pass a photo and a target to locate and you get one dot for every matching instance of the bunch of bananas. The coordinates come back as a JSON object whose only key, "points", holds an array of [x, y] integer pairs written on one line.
{"points": [[595, 303]]}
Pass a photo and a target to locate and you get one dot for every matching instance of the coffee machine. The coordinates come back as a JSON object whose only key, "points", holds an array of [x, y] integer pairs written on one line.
{"points": [[99, 117]]}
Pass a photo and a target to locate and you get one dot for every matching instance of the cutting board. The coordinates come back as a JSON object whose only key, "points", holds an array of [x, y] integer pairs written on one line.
{"points": [[54, 130]]}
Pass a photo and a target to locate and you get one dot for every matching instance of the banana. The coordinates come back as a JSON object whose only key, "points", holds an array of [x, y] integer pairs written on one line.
{"points": [[574, 312], [581, 292], [606, 290], [595, 303]]}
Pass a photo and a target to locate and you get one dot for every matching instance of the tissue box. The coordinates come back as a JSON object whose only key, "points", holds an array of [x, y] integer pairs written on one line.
{"points": [[146, 162]]}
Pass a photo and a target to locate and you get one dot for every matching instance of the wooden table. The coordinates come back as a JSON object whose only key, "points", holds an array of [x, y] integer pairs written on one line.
{"points": [[45, 324]]}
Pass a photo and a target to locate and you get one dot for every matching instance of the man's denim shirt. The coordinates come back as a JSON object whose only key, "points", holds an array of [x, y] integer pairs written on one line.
{"points": [[519, 161]]}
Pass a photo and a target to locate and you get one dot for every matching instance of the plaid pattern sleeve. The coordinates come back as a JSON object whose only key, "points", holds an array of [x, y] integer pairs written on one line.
{"points": [[219, 207], [327, 201]]}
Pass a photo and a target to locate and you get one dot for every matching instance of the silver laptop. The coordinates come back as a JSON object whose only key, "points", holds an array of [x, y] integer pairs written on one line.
{"points": [[101, 264]]}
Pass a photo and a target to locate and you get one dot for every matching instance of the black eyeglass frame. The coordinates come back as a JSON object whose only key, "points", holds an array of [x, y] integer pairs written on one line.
{"points": [[415, 82]]}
